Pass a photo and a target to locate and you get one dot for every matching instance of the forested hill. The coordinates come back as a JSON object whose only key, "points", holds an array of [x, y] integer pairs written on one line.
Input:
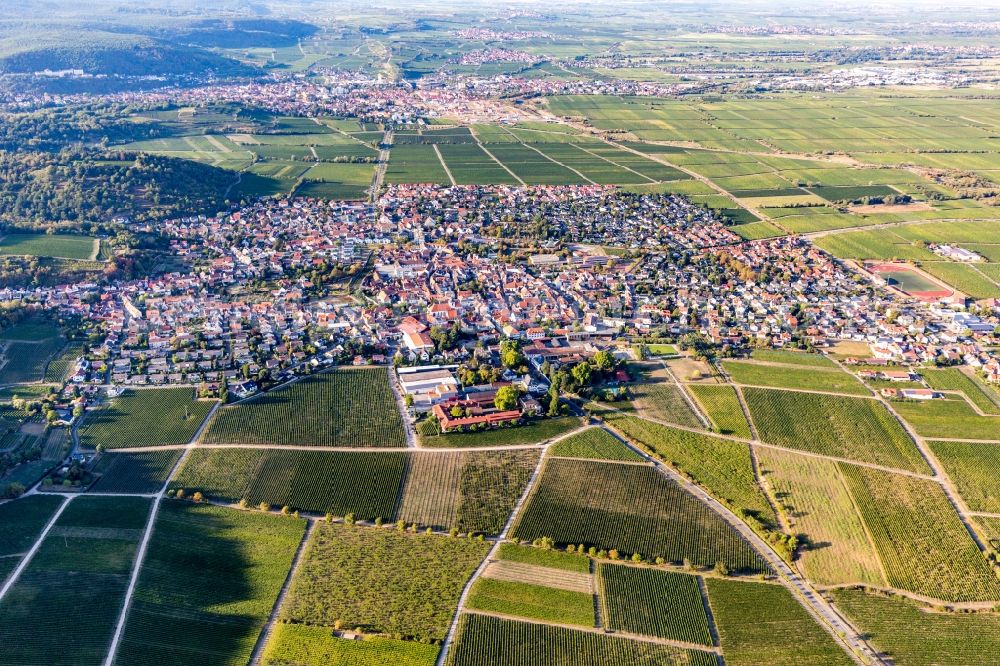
{"points": [[39, 188]]}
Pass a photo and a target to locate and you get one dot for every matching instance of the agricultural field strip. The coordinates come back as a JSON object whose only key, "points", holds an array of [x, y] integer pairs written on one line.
{"points": [[26, 560], [622, 166], [147, 535], [494, 158], [702, 179], [550, 159], [450, 636], [757, 442], [821, 610], [349, 449], [642, 638], [940, 476], [437, 151], [265, 634], [692, 403]]}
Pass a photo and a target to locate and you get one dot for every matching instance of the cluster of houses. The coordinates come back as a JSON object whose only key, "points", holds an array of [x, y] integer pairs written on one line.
{"points": [[440, 269], [495, 55]]}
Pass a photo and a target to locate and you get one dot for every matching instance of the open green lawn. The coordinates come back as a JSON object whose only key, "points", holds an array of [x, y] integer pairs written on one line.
{"points": [[534, 432]]}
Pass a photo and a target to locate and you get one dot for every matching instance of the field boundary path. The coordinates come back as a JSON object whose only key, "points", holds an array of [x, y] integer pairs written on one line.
{"points": [[265, 634], [383, 162], [140, 555], [940, 476], [641, 638], [437, 151], [819, 608], [26, 560], [493, 157], [463, 598]]}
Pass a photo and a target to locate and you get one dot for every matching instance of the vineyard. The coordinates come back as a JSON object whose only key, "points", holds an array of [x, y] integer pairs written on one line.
{"points": [[344, 407], [63, 608], [305, 645], [134, 472], [920, 539], [596, 443], [654, 603], [762, 623], [720, 465], [21, 522], [146, 417], [722, 405], [474, 491], [540, 557], [948, 419], [537, 602], [853, 428], [811, 378], [630, 508], [486, 641], [953, 379], [207, 585], [911, 635], [789, 357], [382, 579], [819, 507], [366, 484], [973, 468], [658, 396]]}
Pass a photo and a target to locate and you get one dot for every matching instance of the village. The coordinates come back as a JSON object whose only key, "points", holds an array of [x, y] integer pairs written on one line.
{"points": [[434, 279]]}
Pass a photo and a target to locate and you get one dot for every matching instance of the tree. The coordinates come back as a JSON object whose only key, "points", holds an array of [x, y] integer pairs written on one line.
{"points": [[510, 354], [604, 360], [582, 373], [506, 398], [553, 403]]}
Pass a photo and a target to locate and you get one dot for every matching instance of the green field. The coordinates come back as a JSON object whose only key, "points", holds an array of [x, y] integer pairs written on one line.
{"points": [[973, 468], [351, 407], [207, 585], [952, 419], [306, 645], [653, 603], [46, 245], [761, 623], [633, 509], [535, 432], [953, 379], [26, 348], [536, 602], [922, 543], [487, 641], [134, 472], [63, 607], [722, 406], [594, 443], [382, 580], [146, 417], [853, 428], [807, 378], [366, 484], [22, 520], [913, 635], [722, 466], [551, 559]]}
